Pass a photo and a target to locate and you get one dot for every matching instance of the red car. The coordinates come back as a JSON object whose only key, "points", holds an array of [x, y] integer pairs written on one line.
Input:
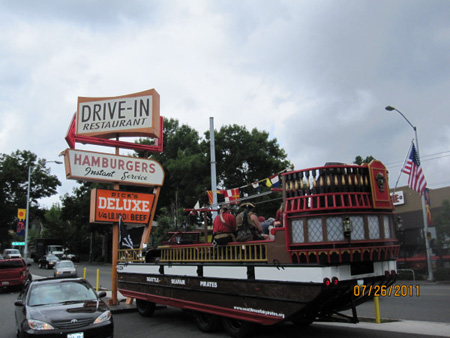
{"points": [[14, 273]]}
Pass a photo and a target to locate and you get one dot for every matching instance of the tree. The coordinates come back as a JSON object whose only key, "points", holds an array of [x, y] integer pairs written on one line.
{"points": [[244, 157], [75, 216], [358, 159], [14, 185], [185, 165]]}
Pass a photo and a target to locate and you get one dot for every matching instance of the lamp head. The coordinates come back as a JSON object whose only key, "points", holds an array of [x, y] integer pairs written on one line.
{"points": [[389, 108]]}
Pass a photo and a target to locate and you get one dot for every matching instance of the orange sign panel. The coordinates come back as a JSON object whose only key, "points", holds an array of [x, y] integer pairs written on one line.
{"points": [[108, 205]]}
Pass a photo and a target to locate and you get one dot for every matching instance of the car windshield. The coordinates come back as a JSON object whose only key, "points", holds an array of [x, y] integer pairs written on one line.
{"points": [[65, 264], [52, 258], [63, 292]]}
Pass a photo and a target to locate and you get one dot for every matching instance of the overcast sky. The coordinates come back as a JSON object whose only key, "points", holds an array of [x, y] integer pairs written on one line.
{"points": [[316, 75]]}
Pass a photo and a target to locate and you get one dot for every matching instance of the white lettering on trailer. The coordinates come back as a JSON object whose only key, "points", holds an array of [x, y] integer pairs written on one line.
{"points": [[178, 281], [208, 284]]}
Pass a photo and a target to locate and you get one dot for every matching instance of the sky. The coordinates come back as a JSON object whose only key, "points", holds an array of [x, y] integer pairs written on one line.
{"points": [[317, 75]]}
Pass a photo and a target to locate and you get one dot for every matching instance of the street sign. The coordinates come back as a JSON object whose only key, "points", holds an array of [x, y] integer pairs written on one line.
{"points": [[18, 243]]}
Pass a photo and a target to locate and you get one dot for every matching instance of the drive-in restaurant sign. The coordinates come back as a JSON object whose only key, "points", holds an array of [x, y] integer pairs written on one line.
{"points": [[108, 205], [92, 166], [128, 115]]}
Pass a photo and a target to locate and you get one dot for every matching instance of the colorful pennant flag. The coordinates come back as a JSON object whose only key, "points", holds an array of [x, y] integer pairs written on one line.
{"points": [[275, 181], [231, 194]]}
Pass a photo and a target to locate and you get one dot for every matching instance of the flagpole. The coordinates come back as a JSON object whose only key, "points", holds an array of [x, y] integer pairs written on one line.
{"points": [[424, 210]]}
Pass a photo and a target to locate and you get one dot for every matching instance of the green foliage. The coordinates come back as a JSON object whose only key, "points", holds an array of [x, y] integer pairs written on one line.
{"points": [[185, 165], [165, 225], [244, 157], [359, 160], [75, 217], [13, 188]]}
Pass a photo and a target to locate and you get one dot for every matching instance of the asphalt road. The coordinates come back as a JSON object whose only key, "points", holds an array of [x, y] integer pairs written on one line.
{"points": [[426, 314]]}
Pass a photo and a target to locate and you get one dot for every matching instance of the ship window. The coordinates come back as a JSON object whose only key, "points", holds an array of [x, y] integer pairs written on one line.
{"points": [[315, 232], [334, 229], [374, 227], [297, 231], [387, 228], [358, 227]]}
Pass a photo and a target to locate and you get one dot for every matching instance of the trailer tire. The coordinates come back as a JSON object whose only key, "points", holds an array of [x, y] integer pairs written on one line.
{"points": [[145, 309], [207, 322], [237, 328]]}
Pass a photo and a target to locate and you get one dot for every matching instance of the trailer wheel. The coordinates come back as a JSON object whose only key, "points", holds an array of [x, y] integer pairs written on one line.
{"points": [[207, 322], [145, 308], [237, 328]]}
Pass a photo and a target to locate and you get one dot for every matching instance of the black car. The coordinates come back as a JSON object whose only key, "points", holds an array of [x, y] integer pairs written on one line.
{"points": [[68, 308], [47, 261], [74, 258]]}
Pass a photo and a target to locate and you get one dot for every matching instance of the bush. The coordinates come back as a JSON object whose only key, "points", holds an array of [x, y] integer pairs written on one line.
{"points": [[442, 274]]}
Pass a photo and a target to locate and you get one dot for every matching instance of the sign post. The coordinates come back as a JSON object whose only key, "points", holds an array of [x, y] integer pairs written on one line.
{"points": [[96, 121]]}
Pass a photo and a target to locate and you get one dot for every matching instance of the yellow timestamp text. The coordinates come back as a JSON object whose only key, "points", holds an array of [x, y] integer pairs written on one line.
{"points": [[383, 290]]}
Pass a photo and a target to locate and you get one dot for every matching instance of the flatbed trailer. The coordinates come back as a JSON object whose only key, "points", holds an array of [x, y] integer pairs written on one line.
{"points": [[338, 234]]}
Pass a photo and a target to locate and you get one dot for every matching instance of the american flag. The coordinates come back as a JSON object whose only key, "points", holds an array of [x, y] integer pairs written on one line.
{"points": [[416, 180]]}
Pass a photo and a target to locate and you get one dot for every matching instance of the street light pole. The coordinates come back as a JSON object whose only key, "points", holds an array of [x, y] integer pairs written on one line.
{"points": [[27, 217], [424, 210]]}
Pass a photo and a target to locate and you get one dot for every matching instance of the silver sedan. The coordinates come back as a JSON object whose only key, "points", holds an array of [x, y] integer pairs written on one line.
{"points": [[65, 268]]}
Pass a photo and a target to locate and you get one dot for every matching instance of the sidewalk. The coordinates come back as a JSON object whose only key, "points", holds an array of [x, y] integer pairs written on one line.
{"points": [[122, 306], [403, 326]]}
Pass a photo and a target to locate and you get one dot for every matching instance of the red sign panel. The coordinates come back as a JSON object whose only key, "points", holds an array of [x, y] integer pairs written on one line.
{"points": [[108, 205], [380, 187]]}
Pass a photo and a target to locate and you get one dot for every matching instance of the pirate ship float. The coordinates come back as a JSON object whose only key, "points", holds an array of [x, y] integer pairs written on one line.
{"points": [[338, 232]]}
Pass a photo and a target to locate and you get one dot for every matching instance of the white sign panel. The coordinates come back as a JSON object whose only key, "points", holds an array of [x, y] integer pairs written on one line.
{"points": [[129, 115], [91, 166], [398, 198]]}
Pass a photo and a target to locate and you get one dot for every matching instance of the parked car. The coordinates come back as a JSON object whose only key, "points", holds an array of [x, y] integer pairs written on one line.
{"points": [[47, 261], [14, 273], [64, 268], [59, 254], [74, 258], [11, 253], [66, 307]]}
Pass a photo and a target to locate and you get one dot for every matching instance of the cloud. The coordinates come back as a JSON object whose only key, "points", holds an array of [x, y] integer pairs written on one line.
{"points": [[316, 75]]}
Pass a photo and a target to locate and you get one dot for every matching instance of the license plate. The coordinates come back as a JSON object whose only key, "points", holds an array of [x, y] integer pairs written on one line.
{"points": [[75, 335], [5, 283]]}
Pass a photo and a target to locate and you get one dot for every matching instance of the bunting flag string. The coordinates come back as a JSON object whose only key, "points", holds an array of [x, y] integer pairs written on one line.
{"points": [[233, 195]]}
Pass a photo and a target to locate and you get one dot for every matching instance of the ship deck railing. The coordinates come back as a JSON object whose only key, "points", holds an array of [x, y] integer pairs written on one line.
{"points": [[329, 201], [232, 252]]}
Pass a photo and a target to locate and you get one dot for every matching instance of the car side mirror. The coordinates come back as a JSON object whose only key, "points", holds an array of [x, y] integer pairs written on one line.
{"points": [[18, 303], [101, 294]]}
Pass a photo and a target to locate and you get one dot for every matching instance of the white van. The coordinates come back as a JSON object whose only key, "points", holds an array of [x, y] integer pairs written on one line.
{"points": [[11, 253]]}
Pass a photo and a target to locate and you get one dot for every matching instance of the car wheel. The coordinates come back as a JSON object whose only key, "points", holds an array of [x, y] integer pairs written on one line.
{"points": [[40, 265], [145, 308], [46, 266]]}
